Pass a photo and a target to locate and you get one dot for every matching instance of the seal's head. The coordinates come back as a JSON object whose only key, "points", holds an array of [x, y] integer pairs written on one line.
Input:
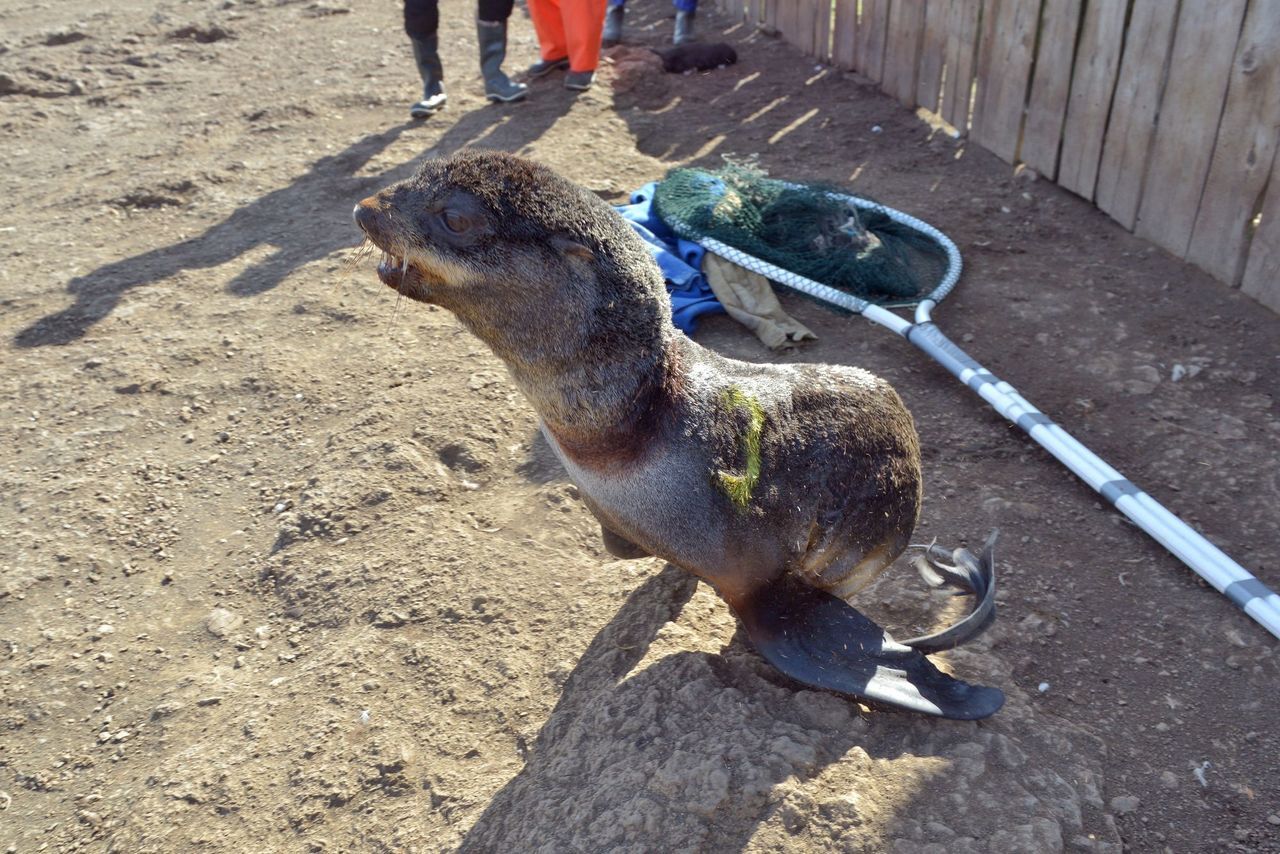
{"points": [[545, 272], [489, 235]]}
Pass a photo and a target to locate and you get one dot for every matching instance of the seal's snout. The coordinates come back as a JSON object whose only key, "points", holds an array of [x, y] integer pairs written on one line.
{"points": [[366, 214]]}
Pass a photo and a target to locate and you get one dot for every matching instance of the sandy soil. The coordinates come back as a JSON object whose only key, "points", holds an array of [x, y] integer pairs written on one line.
{"points": [[285, 568]]}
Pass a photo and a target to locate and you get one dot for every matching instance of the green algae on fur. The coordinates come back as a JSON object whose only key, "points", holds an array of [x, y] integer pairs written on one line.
{"points": [[740, 486]]}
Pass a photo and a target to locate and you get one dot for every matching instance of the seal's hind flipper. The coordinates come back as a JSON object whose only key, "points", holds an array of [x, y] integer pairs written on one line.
{"points": [[969, 574], [822, 641]]}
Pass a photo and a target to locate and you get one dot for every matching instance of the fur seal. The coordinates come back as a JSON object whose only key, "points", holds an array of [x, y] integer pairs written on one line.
{"points": [[787, 487]]}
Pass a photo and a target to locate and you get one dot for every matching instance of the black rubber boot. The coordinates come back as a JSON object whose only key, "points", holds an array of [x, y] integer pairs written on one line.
{"points": [[684, 28], [613, 20], [492, 36], [579, 81], [543, 67], [427, 56]]}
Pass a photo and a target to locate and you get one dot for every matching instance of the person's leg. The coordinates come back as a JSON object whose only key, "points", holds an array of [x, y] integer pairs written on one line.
{"points": [[686, 10], [421, 19], [583, 26], [491, 35], [614, 18], [495, 10], [551, 37]]}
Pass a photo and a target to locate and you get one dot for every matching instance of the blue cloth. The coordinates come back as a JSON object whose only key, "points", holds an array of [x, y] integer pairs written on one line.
{"points": [[681, 5], [680, 260]]}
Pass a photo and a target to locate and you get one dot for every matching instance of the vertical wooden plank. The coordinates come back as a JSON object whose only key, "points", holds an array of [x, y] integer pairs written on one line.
{"points": [[789, 19], [902, 50], [933, 52], [786, 17], [961, 62], [1133, 109], [1262, 272], [845, 36], [795, 33], [1092, 83], [753, 13], [806, 26], [1187, 125], [1047, 107], [986, 41], [791, 24], [1245, 149], [873, 27], [822, 31], [1004, 75], [770, 14]]}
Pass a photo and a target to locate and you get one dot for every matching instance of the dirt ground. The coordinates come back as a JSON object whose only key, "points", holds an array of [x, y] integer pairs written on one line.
{"points": [[286, 568]]}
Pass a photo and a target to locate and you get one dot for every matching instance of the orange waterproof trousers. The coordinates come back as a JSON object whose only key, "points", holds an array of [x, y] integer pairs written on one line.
{"points": [[569, 28]]}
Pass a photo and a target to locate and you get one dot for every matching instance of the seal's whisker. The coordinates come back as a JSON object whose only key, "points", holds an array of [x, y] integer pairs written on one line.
{"points": [[356, 254], [395, 309]]}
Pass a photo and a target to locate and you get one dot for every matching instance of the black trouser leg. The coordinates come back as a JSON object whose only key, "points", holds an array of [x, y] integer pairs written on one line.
{"points": [[421, 18]]}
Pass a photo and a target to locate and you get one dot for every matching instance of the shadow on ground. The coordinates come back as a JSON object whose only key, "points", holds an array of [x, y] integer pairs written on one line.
{"points": [[304, 221]]}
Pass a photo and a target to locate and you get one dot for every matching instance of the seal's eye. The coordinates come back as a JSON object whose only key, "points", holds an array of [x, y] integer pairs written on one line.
{"points": [[455, 222]]}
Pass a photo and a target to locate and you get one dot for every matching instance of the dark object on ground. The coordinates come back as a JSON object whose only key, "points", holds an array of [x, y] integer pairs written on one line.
{"points": [[697, 56]]}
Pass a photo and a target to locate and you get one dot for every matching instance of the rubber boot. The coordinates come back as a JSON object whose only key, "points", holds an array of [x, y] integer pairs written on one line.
{"points": [[492, 37], [427, 56], [613, 19], [543, 67], [579, 81], [684, 28]]}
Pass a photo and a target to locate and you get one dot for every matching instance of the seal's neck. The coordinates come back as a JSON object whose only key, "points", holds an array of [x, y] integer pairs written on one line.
{"points": [[595, 382], [591, 348], [598, 396]]}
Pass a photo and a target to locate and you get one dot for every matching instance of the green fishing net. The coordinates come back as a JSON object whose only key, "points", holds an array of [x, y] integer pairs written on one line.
{"points": [[813, 230]]}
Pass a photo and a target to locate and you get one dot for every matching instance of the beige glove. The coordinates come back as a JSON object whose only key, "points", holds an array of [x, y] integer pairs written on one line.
{"points": [[750, 300]]}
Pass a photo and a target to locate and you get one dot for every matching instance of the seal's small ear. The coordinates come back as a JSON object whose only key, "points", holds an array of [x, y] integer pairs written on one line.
{"points": [[574, 248]]}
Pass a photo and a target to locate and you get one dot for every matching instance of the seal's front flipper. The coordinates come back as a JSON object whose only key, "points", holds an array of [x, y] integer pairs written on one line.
{"points": [[822, 641], [620, 547]]}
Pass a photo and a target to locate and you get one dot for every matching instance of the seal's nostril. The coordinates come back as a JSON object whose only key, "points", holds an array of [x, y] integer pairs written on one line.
{"points": [[364, 214]]}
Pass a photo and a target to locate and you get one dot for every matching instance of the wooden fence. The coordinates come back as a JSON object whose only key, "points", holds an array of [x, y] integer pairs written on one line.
{"points": [[1164, 113]]}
